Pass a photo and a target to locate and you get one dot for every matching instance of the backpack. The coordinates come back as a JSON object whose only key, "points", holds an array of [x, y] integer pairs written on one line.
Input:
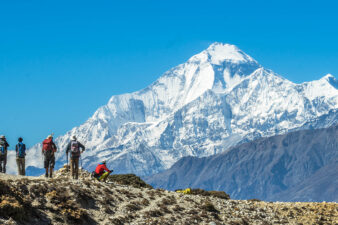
{"points": [[48, 148], [47, 145], [3, 149], [186, 191], [74, 149], [21, 151]]}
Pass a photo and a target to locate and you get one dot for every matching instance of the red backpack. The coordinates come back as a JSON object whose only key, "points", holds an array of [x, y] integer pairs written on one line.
{"points": [[47, 145]]}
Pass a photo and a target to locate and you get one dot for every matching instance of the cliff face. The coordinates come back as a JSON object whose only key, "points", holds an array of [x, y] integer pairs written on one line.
{"points": [[28, 200]]}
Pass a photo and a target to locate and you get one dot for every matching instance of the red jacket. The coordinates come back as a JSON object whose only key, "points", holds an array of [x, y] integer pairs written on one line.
{"points": [[101, 168]]}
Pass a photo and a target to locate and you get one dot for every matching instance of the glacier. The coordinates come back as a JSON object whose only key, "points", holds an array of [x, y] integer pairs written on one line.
{"points": [[217, 99]]}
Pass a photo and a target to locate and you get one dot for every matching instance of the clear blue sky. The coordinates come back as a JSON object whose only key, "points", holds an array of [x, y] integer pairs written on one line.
{"points": [[61, 60]]}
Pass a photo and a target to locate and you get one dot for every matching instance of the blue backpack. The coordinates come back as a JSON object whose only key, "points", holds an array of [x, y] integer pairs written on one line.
{"points": [[2, 150], [21, 150]]}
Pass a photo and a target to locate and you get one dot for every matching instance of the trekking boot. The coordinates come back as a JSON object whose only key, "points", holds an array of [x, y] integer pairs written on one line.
{"points": [[46, 175]]}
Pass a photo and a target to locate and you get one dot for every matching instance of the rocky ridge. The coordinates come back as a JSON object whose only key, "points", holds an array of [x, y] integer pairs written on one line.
{"points": [[36, 200]]}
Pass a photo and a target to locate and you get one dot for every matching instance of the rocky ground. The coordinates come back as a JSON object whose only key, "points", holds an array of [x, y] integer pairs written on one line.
{"points": [[128, 200]]}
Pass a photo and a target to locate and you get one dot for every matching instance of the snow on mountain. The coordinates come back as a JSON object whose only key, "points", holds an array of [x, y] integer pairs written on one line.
{"points": [[218, 98]]}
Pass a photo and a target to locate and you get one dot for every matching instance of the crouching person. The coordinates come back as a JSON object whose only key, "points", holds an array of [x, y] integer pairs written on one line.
{"points": [[100, 173], [74, 147], [20, 149]]}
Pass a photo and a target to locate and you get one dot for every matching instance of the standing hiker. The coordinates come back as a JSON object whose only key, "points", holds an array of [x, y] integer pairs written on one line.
{"points": [[48, 150], [74, 147], [99, 171], [20, 149], [3, 153]]}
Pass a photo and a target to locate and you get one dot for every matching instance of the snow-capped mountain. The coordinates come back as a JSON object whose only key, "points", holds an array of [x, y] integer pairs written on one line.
{"points": [[218, 98]]}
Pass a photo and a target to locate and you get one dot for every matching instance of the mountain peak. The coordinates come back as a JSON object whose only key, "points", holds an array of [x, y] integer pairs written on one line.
{"points": [[327, 77], [331, 80], [217, 53]]}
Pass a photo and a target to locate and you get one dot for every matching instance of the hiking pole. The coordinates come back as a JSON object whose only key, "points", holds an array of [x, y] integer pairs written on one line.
{"points": [[67, 163], [81, 161]]}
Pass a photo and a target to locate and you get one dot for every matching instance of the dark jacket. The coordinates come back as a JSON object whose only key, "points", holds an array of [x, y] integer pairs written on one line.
{"points": [[17, 149], [69, 146]]}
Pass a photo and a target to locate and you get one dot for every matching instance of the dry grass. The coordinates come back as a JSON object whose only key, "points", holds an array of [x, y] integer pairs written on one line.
{"points": [[61, 201]]}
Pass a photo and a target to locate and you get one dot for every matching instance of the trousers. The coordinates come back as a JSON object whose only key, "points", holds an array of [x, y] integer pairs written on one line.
{"points": [[3, 162], [21, 166], [74, 167]]}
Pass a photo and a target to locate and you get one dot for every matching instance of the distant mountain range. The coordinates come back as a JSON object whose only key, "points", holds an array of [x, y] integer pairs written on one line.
{"points": [[298, 166], [217, 99]]}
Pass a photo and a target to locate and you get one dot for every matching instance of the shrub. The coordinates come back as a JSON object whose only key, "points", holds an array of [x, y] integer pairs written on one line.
{"points": [[129, 179], [145, 202], [153, 213], [208, 206], [170, 200], [37, 190], [127, 193], [217, 194], [178, 208], [151, 194], [254, 200], [163, 208], [133, 206], [10, 207], [117, 221], [4, 188]]}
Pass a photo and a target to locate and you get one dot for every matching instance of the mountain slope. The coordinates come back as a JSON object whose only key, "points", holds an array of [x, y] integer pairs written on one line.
{"points": [[298, 166], [28, 200], [218, 98]]}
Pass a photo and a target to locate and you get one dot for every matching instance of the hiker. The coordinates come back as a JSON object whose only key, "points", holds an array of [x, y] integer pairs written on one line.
{"points": [[99, 171], [48, 151], [20, 149], [3, 153], [74, 147]]}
